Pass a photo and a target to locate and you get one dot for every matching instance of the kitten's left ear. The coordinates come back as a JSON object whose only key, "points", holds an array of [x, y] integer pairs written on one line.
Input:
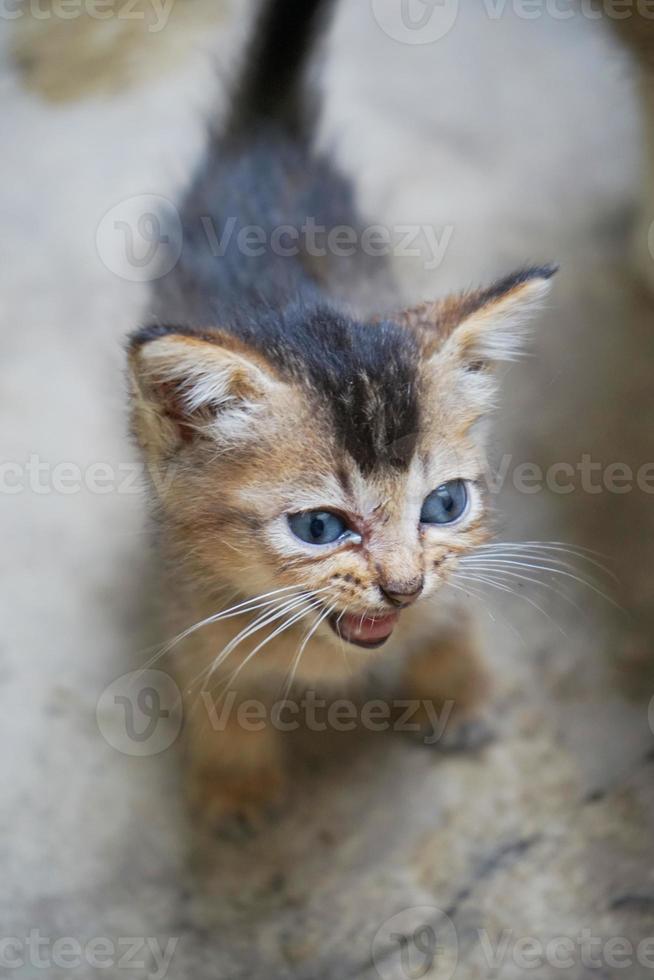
{"points": [[187, 386], [480, 328]]}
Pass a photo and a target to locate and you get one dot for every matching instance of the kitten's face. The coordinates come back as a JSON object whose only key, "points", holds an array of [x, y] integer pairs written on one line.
{"points": [[362, 492]]}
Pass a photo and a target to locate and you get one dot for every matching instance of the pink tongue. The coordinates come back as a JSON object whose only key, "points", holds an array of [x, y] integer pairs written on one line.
{"points": [[367, 629]]}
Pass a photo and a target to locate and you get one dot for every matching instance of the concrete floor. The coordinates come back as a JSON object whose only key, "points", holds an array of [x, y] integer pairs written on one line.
{"points": [[522, 136]]}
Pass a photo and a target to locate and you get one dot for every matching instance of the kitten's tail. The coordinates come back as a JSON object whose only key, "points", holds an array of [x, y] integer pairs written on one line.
{"points": [[269, 90]]}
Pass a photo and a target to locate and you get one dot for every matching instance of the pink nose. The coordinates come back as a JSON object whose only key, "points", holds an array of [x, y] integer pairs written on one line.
{"points": [[403, 593]]}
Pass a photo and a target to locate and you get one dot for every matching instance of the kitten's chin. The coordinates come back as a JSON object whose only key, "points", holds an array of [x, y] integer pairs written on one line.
{"points": [[364, 631]]}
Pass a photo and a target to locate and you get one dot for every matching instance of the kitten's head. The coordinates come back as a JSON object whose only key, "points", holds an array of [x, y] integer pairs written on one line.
{"points": [[311, 451]]}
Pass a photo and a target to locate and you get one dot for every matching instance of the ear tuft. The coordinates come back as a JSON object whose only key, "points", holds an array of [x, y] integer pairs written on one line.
{"points": [[497, 327], [515, 279], [483, 326], [187, 385]]}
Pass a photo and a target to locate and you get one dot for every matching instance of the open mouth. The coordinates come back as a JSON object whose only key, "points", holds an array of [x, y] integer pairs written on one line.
{"points": [[364, 631]]}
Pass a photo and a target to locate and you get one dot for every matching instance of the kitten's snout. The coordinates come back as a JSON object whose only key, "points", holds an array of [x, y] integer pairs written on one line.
{"points": [[402, 594]]}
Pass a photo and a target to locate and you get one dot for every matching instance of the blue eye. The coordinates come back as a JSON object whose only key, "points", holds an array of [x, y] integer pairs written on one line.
{"points": [[317, 526], [445, 504]]}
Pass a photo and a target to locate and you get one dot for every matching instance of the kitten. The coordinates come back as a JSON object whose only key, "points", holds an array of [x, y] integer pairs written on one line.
{"points": [[323, 470]]}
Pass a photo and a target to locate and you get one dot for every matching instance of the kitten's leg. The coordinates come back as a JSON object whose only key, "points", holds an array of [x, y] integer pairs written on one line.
{"points": [[644, 234], [234, 770], [447, 684], [637, 30]]}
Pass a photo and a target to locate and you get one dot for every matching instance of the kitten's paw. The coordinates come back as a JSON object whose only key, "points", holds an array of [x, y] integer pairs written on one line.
{"points": [[470, 734], [234, 808], [448, 729]]}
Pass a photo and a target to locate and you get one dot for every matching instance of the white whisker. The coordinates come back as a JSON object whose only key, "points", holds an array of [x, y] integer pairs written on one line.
{"points": [[505, 563], [296, 662], [340, 638], [280, 629], [247, 606], [542, 549], [480, 598], [505, 588], [264, 619], [493, 570]]}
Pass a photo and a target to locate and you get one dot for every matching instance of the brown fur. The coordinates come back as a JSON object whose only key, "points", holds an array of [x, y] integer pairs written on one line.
{"points": [[233, 448]]}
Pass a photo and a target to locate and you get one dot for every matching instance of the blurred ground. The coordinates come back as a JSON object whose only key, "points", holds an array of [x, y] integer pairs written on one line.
{"points": [[521, 135], [107, 46]]}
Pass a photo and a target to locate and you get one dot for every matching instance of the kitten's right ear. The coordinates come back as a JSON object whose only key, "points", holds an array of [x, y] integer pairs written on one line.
{"points": [[480, 328], [188, 386]]}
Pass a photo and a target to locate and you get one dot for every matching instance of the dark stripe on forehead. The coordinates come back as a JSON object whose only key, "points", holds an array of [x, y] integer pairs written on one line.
{"points": [[343, 478], [366, 375], [376, 419]]}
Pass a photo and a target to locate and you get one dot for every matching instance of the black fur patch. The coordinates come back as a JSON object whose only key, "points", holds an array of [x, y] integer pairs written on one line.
{"points": [[507, 283], [364, 375], [477, 299], [269, 88]]}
